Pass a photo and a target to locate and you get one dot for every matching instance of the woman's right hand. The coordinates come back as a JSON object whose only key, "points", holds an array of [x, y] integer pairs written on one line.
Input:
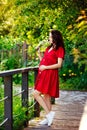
{"points": [[42, 67]]}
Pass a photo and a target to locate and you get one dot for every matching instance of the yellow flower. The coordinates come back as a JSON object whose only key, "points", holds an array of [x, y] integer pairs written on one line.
{"points": [[72, 74], [70, 71], [64, 74]]}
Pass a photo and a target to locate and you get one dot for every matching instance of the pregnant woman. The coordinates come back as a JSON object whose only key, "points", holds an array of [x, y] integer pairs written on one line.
{"points": [[47, 82]]}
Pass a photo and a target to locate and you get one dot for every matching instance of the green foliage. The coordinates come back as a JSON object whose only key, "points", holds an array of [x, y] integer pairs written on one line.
{"points": [[30, 21], [17, 78], [10, 63], [76, 41], [74, 83], [1, 106], [78, 35], [19, 112], [69, 74], [28, 18]]}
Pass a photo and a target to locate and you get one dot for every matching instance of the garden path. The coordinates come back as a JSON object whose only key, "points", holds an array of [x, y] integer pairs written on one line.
{"points": [[71, 113]]}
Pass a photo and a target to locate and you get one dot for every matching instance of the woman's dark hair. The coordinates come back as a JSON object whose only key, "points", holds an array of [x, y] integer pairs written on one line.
{"points": [[57, 39]]}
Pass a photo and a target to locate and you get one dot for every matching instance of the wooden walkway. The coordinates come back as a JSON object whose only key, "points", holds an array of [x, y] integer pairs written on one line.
{"points": [[71, 113]]}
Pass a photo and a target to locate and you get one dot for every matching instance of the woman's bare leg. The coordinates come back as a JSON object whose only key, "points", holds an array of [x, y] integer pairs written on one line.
{"points": [[41, 101], [45, 103], [47, 100]]}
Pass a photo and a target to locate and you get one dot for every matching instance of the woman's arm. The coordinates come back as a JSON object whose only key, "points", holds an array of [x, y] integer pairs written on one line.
{"points": [[54, 66], [39, 54]]}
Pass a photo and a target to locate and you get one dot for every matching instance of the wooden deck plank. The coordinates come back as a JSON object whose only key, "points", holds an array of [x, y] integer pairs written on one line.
{"points": [[71, 111]]}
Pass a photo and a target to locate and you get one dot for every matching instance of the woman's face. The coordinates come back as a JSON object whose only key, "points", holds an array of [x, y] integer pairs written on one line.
{"points": [[50, 38]]}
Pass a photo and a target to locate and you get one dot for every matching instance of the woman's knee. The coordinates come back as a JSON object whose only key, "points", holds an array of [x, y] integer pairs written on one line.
{"points": [[36, 93], [47, 96]]}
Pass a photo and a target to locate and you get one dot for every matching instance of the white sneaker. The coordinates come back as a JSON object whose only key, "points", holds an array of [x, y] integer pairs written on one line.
{"points": [[50, 117], [44, 122]]}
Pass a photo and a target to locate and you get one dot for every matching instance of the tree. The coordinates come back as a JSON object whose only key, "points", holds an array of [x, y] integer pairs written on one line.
{"points": [[30, 21]]}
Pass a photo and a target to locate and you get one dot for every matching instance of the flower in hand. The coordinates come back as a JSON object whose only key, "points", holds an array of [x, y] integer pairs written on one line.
{"points": [[42, 67]]}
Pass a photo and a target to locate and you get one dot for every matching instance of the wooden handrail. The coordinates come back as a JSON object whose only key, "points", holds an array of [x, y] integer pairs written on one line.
{"points": [[16, 71]]}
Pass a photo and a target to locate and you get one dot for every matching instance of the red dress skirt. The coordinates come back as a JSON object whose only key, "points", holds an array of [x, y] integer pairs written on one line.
{"points": [[47, 81]]}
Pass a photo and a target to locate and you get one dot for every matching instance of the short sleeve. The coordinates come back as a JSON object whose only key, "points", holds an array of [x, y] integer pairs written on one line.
{"points": [[60, 52]]}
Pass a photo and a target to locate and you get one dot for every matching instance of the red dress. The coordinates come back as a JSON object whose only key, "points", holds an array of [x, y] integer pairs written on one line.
{"points": [[47, 81]]}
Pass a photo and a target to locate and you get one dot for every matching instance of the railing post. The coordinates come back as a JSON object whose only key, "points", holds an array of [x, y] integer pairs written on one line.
{"points": [[52, 100], [8, 102], [25, 93], [24, 51], [36, 106]]}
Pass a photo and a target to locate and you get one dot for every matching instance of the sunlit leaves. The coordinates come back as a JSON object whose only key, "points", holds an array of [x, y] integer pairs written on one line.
{"points": [[78, 34]]}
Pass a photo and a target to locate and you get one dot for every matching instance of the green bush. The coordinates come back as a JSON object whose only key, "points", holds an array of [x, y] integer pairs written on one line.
{"points": [[19, 112], [10, 63], [72, 77]]}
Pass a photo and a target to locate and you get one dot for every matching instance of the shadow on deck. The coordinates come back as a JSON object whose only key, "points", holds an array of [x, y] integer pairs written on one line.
{"points": [[71, 113]]}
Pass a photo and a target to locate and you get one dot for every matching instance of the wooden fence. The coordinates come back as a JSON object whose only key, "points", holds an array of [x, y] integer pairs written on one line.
{"points": [[8, 90]]}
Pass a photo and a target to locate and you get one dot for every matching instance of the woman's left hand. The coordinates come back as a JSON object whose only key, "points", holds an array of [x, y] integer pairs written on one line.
{"points": [[42, 67]]}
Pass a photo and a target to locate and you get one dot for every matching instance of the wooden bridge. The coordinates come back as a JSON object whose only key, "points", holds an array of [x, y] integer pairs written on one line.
{"points": [[70, 108], [71, 113]]}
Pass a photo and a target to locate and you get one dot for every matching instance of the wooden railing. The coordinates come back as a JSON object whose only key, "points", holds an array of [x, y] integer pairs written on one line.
{"points": [[8, 90]]}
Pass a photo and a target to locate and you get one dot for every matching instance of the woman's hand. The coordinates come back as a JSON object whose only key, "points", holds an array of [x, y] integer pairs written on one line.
{"points": [[39, 54], [42, 67], [54, 66]]}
